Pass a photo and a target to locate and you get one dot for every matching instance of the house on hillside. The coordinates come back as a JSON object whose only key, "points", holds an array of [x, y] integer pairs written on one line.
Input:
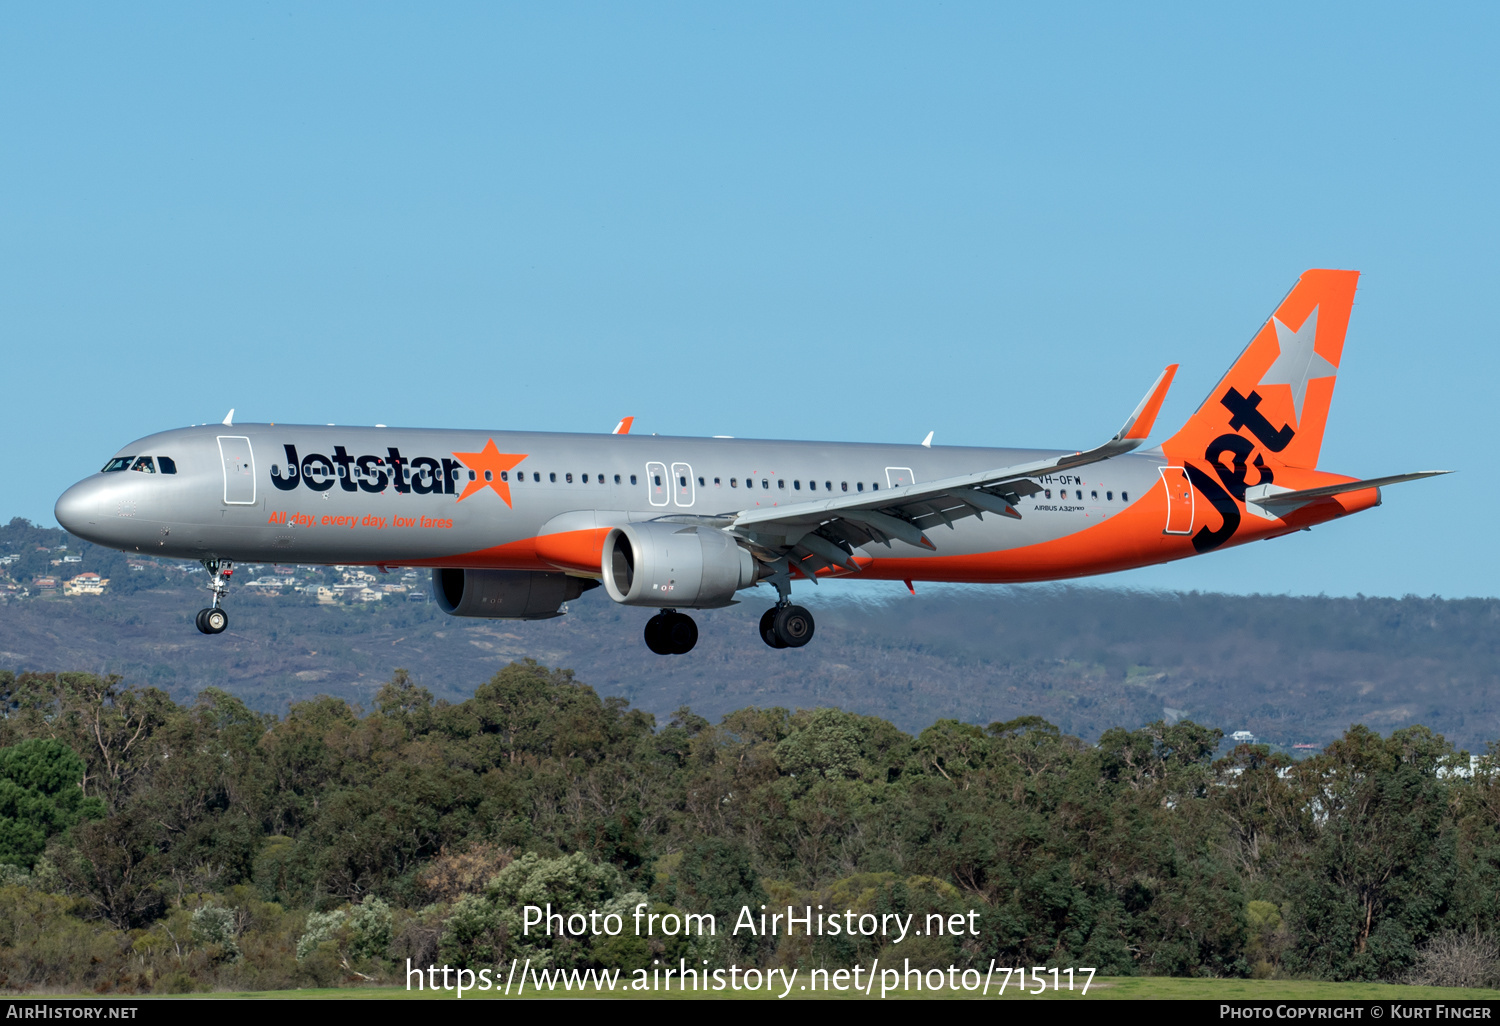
{"points": [[86, 583], [1243, 737]]}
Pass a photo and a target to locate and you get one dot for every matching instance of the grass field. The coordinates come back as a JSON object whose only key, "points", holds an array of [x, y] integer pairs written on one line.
{"points": [[1103, 989]]}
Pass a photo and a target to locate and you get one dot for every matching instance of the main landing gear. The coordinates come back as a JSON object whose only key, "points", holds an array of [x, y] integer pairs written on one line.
{"points": [[671, 633], [213, 620], [786, 626]]}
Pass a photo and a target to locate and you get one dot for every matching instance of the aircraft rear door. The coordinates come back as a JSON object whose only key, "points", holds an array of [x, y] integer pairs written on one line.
{"points": [[1179, 500], [239, 470]]}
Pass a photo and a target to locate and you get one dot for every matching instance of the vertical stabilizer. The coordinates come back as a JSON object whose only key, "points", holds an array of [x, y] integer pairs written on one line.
{"points": [[1278, 392]]}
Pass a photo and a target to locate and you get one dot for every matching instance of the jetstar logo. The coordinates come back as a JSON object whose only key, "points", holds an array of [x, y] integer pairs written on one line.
{"points": [[1297, 363], [420, 475]]}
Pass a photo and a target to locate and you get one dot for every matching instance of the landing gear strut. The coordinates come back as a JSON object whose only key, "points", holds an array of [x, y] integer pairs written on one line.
{"points": [[671, 633], [213, 620]]}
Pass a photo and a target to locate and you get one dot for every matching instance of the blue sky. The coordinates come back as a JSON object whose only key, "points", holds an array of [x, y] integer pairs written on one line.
{"points": [[852, 221]]}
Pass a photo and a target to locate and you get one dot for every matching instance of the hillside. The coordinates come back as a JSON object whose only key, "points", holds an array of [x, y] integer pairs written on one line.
{"points": [[1291, 670]]}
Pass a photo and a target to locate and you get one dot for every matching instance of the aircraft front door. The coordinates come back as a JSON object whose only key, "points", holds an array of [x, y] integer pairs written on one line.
{"points": [[657, 485], [1179, 500], [682, 484], [239, 470]]}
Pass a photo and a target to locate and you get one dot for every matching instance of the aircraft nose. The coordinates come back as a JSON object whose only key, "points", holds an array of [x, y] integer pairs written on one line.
{"points": [[78, 509]]}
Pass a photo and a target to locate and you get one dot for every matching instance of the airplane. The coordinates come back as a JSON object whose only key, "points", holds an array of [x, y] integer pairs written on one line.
{"points": [[516, 524]]}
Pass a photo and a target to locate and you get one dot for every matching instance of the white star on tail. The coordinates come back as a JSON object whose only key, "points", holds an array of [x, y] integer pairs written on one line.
{"points": [[1299, 362]]}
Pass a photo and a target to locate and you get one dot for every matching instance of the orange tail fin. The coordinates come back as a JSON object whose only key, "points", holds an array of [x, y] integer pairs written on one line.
{"points": [[1278, 392]]}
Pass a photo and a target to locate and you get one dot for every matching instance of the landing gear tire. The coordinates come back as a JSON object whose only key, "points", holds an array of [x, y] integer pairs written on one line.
{"points": [[768, 629], [671, 633], [793, 626], [212, 620]]}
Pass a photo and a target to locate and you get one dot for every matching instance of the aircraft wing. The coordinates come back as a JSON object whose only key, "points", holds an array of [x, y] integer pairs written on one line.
{"points": [[823, 532]]}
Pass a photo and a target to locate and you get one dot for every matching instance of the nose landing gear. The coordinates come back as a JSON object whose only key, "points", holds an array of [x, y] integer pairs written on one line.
{"points": [[213, 620], [671, 633]]}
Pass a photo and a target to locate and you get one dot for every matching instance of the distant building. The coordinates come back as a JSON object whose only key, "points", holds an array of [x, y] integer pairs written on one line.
{"points": [[44, 583], [326, 595], [1243, 737], [87, 583], [265, 584], [72, 559]]}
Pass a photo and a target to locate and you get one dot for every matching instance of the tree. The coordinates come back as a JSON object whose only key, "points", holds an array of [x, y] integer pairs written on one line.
{"points": [[40, 797]]}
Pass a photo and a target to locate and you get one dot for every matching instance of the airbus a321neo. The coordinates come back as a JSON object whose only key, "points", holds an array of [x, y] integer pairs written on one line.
{"points": [[514, 524]]}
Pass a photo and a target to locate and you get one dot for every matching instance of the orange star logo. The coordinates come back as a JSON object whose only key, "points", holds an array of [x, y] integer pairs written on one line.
{"points": [[487, 465]]}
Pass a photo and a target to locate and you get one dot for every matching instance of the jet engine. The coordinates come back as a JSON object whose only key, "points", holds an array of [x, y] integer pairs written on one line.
{"points": [[674, 566], [506, 594]]}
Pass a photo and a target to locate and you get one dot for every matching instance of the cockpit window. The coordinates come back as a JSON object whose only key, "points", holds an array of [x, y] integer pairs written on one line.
{"points": [[118, 463], [167, 464], [144, 465]]}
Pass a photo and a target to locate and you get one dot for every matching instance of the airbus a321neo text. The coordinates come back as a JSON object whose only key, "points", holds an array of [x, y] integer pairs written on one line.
{"points": [[514, 524]]}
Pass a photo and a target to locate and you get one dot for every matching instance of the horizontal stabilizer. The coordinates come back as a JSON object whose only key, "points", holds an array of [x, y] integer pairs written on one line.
{"points": [[1262, 495]]}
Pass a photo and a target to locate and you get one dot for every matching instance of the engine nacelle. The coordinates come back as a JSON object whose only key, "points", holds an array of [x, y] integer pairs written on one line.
{"points": [[675, 566], [505, 594]]}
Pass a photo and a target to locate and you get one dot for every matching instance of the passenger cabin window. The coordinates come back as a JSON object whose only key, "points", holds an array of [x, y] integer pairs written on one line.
{"points": [[1047, 492], [1079, 494], [505, 475], [567, 477], [844, 485], [144, 465], [764, 483], [1093, 495], [734, 482], [859, 486], [780, 482], [632, 479], [656, 480], [552, 478], [796, 486], [828, 486], [1110, 496], [1124, 496], [617, 479], [167, 464], [118, 463], [700, 482], [489, 475]]}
